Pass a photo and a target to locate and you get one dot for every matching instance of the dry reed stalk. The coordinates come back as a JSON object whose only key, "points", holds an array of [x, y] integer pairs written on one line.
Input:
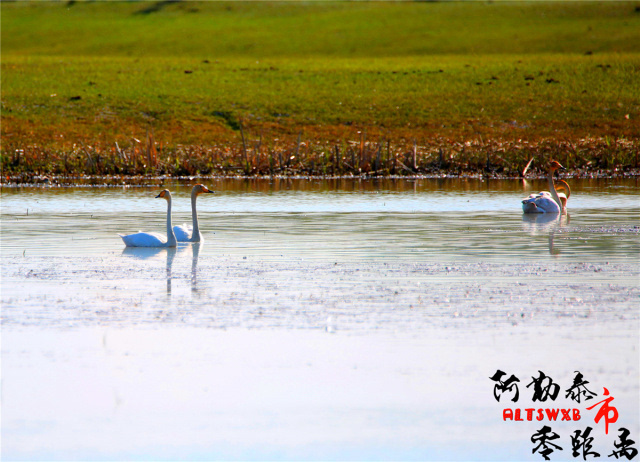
{"points": [[244, 147], [258, 146], [405, 167], [152, 153], [89, 161], [270, 159], [395, 163], [524, 172], [363, 136], [298, 145], [122, 155], [415, 155], [134, 155], [353, 158]]}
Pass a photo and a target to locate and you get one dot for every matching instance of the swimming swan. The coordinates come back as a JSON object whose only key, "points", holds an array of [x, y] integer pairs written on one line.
{"points": [[546, 202], [186, 233], [154, 239]]}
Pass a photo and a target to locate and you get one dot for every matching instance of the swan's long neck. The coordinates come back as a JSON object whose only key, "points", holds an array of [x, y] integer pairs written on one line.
{"points": [[171, 237], [564, 185], [194, 216], [552, 189]]}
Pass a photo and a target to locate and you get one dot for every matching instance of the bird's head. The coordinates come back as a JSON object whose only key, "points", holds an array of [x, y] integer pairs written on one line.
{"points": [[165, 194], [555, 165], [200, 189]]}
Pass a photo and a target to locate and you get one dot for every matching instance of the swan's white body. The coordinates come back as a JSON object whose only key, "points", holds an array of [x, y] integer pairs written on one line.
{"points": [[546, 202], [185, 233], [145, 240], [540, 203], [153, 239]]}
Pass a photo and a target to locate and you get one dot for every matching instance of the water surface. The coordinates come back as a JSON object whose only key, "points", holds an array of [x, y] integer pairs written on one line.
{"points": [[423, 219], [319, 320]]}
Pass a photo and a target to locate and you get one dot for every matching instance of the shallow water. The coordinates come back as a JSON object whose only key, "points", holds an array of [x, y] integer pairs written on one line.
{"points": [[423, 219], [338, 319]]}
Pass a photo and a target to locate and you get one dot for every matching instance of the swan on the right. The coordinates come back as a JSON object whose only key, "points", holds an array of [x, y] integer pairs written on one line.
{"points": [[549, 202], [186, 233]]}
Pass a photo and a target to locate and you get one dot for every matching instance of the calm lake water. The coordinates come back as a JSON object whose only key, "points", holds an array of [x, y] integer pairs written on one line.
{"points": [[327, 220], [320, 319]]}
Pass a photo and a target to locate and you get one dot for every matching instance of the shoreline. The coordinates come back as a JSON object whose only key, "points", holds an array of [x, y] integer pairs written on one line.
{"points": [[35, 179]]}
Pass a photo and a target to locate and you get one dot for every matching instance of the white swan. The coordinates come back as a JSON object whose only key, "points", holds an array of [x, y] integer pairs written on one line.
{"points": [[546, 202], [185, 233], [154, 239]]}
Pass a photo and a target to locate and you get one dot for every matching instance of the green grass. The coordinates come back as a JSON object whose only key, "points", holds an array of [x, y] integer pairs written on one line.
{"points": [[97, 73], [392, 93], [329, 29]]}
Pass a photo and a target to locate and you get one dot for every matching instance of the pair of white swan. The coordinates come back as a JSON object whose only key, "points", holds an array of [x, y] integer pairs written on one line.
{"points": [[175, 234], [549, 201]]}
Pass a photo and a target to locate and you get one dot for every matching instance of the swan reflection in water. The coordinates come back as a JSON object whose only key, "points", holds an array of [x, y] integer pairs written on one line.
{"points": [[541, 223], [195, 253], [155, 253]]}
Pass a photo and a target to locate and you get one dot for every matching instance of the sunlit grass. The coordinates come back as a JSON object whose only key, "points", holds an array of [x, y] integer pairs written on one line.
{"points": [[446, 92]]}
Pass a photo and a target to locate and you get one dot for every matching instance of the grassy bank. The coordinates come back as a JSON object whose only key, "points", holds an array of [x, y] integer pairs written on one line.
{"points": [[320, 88]]}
